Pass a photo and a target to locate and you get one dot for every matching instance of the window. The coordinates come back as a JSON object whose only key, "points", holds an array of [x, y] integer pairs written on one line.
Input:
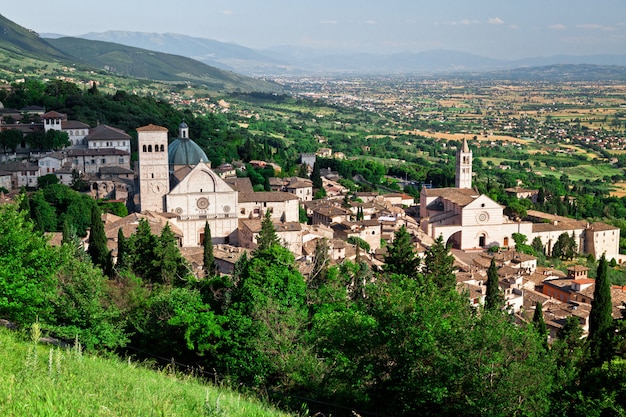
{"points": [[144, 148], [149, 148], [120, 160]]}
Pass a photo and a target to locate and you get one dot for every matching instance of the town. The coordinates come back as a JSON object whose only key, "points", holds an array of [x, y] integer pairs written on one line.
{"points": [[173, 184]]}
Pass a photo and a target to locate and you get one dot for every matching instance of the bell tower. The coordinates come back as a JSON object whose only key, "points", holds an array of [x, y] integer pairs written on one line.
{"points": [[154, 181], [464, 166]]}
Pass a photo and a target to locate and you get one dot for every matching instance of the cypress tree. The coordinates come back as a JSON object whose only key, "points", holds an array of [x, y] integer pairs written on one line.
{"points": [[98, 250], [540, 324], [600, 317], [316, 177], [210, 268], [439, 265], [493, 299], [267, 236], [401, 257], [121, 250]]}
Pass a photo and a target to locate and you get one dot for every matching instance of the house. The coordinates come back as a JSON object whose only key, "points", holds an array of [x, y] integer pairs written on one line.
{"points": [[91, 160], [104, 136], [289, 234], [51, 163], [282, 206], [367, 230]]}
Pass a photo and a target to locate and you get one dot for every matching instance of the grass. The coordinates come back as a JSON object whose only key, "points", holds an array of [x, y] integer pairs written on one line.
{"points": [[37, 380]]}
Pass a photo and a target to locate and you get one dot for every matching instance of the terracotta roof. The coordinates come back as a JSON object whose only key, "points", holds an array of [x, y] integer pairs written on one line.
{"points": [[599, 226], [105, 132], [243, 185], [459, 196], [73, 124], [152, 128], [96, 152], [53, 115], [265, 196], [116, 170]]}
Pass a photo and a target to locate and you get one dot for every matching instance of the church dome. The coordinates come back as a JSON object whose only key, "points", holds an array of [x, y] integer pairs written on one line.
{"points": [[184, 151]]}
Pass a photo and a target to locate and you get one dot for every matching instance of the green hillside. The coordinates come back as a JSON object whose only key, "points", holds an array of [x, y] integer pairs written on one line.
{"points": [[144, 64], [38, 380], [24, 54], [21, 41]]}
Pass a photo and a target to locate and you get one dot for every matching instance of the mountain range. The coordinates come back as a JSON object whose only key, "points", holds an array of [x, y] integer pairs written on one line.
{"points": [[23, 49], [218, 66], [290, 60]]}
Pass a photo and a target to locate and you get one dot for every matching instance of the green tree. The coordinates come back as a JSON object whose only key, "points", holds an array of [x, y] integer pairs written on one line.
{"points": [[266, 322], [401, 257], [267, 236], [355, 240], [439, 265], [600, 318], [321, 262], [565, 247], [209, 265], [42, 213], [540, 324], [168, 262], [46, 180], [494, 301], [142, 252], [316, 177], [83, 307], [122, 251], [27, 267], [10, 139], [537, 245], [56, 139], [98, 250]]}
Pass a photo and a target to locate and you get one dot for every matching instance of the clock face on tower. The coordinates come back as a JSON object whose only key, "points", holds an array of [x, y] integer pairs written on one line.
{"points": [[158, 187]]}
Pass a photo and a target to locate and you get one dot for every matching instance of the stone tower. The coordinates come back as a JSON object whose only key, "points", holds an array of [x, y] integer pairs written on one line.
{"points": [[154, 181], [464, 167]]}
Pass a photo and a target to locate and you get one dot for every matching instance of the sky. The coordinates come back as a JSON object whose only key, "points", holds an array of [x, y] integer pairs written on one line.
{"points": [[503, 29]]}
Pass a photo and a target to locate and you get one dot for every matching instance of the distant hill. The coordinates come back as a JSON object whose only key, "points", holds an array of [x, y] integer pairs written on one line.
{"points": [[17, 40], [146, 64], [293, 60], [24, 48], [218, 54], [561, 72]]}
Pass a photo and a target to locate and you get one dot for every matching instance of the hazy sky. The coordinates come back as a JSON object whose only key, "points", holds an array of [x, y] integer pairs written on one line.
{"points": [[491, 28]]}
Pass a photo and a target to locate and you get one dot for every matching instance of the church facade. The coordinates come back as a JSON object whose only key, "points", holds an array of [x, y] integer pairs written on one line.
{"points": [[177, 180], [470, 221]]}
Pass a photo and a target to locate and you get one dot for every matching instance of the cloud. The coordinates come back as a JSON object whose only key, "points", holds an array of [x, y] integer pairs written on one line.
{"points": [[370, 22], [328, 22], [558, 26], [227, 12], [495, 21], [463, 22], [594, 26]]}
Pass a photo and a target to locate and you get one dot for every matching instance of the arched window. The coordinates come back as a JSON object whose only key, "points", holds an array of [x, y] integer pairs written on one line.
{"points": [[162, 148], [144, 148], [149, 148]]}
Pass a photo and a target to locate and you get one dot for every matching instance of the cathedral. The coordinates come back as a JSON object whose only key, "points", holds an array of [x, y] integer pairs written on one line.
{"points": [[470, 221], [465, 218], [177, 180]]}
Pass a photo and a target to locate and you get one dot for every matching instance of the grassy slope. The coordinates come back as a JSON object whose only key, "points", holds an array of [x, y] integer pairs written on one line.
{"points": [[45, 381], [141, 63], [19, 40]]}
